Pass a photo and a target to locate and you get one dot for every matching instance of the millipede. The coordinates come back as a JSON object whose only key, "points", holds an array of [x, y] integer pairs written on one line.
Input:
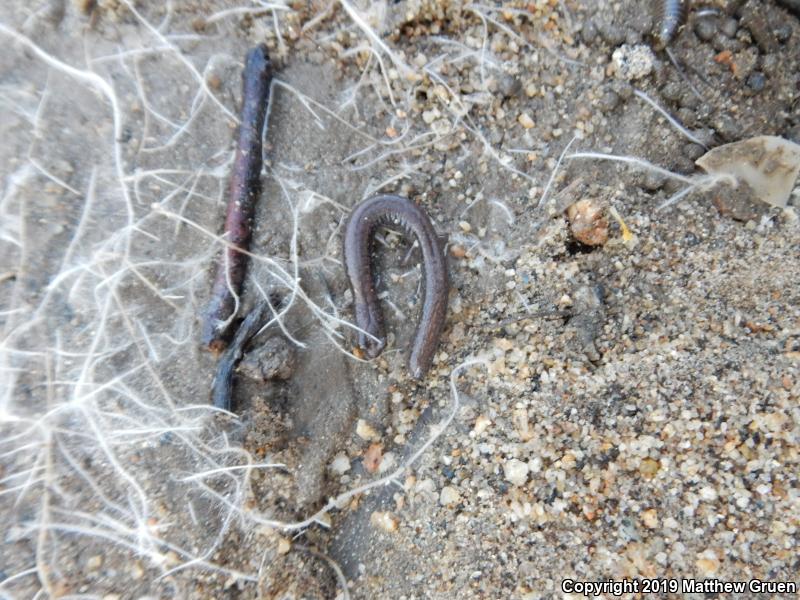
{"points": [[671, 15]]}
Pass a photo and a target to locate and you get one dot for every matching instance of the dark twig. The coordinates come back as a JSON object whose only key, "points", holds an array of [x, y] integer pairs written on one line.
{"points": [[222, 388], [245, 187]]}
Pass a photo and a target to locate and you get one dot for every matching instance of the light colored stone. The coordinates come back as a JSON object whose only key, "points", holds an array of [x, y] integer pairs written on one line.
{"points": [[366, 431], [633, 62], [449, 495], [708, 494], [384, 521], [284, 546], [650, 518], [481, 424], [516, 472], [340, 464]]}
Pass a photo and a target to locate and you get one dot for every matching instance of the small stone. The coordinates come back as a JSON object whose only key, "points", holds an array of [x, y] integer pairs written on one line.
{"points": [[708, 493], [372, 457], [481, 424], [707, 563], [275, 359], [214, 81], [284, 546], [387, 462], [94, 562], [85, 6], [633, 62], [612, 34], [729, 27], [756, 81], [589, 31], [522, 424], [137, 571], [340, 464], [588, 223], [465, 226], [648, 468], [366, 432], [458, 251], [449, 495], [509, 86], [384, 521], [516, 472], [609, 101], [650, 518], [705, 29], [525, 120]]}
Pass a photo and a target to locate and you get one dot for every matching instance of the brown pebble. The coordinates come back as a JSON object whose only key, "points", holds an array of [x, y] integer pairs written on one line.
{"points": [[458, 251], [214, 81], [649, 467], [85, 6], [372, 457], [588, 223]]}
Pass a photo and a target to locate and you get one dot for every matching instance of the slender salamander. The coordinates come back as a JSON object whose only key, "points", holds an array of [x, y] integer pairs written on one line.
{"points": [[363, 221]]}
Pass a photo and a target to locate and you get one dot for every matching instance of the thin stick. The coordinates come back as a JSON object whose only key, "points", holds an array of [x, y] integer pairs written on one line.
{"points": [[245, 187], [222, 388]]}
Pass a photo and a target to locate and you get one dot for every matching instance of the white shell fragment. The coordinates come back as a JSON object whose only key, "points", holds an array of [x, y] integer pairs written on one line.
{"points": [[767, 164]]}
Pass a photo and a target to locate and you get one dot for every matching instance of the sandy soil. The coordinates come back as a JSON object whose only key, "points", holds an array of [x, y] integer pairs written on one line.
{"points": [[629, 410]]}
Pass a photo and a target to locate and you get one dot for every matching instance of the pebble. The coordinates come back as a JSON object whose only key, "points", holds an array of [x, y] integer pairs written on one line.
{"points": [[633, 62], [458, 251], [372, 457], [275, 359], [509, 86], [449, 495], [340, 464], [650, 518], [649, 467], [385, 521], [387, 463], [589, 31], [587, 222], [707, 563], [729, 27], [366, 431], [705, 28], [609, 101], [284, 546], [526, 121], [611, 34], [756, 81], [708, 493], [516, 472], [481, 424], [693, 151]]}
